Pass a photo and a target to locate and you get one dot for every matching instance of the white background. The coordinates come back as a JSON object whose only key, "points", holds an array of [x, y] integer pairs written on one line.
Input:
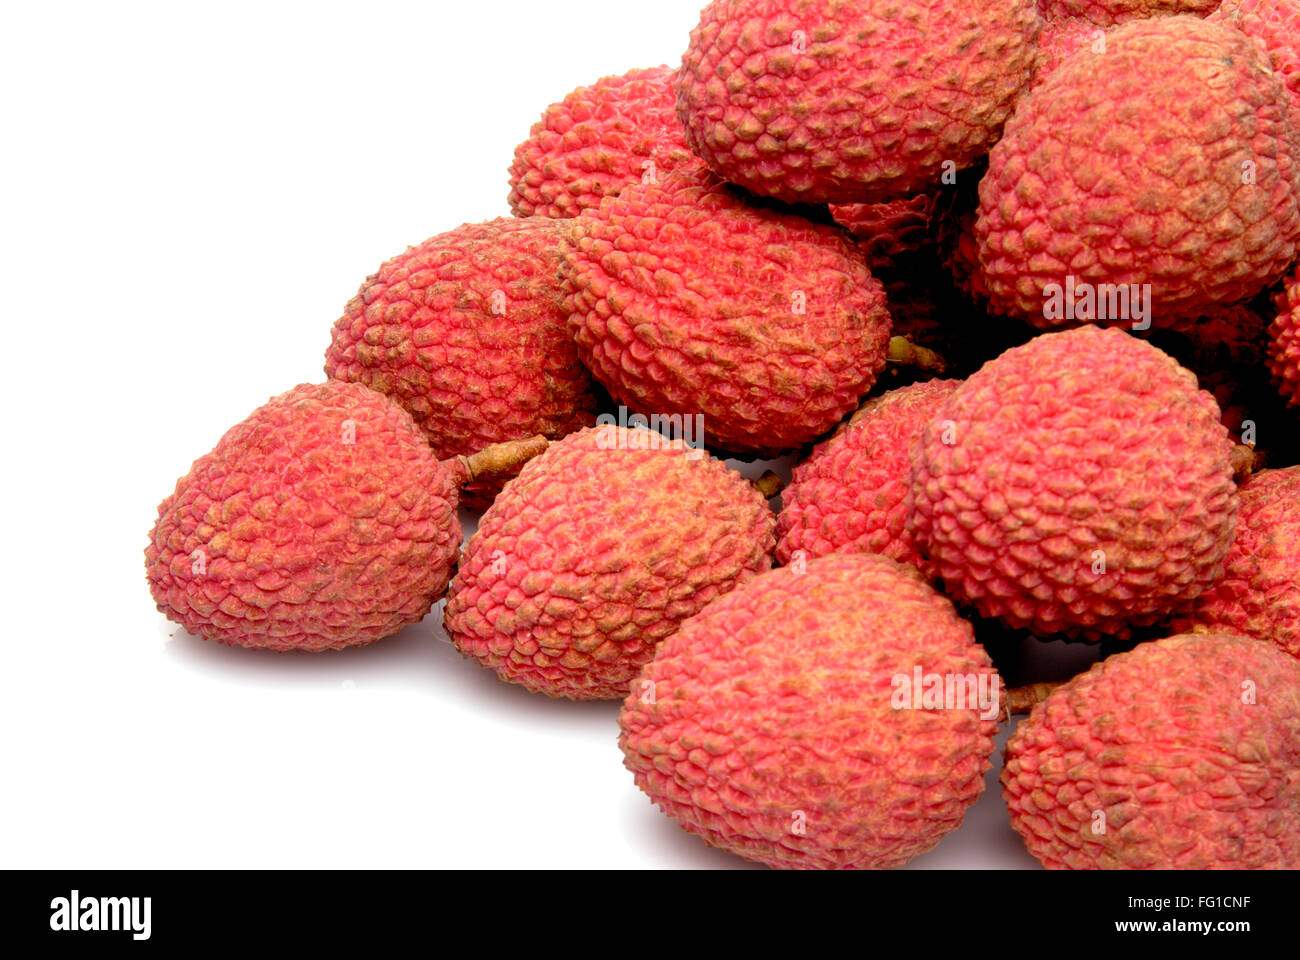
{"points": [[190, 196]]}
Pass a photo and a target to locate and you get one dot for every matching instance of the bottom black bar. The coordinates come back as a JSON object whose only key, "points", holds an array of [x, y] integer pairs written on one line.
{"points": [[213, 909]]}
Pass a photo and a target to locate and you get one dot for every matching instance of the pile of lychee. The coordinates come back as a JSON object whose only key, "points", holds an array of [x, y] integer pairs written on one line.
{"points": [[1014, 285]]}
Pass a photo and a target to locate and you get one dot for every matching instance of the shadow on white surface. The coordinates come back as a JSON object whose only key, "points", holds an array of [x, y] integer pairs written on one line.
{"points": [[646, 827], [418, 660], [985, 840]]}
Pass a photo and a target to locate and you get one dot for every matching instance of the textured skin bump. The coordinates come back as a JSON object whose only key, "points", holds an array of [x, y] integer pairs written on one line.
{"points": [[1127, 168], [840, 101], [685, 298], [595, 553], [322, 521], [850, 495], [1274, 25], [467, 332], [1077, 442], [1109, 12], [1063, 38], [770, 732], [1151, 760], [887, 231], [1284, 340], [596, 141], [1259, 594]]}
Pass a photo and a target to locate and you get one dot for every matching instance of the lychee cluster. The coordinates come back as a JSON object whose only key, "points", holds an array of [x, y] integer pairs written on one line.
{"points": [[1008, 289]]}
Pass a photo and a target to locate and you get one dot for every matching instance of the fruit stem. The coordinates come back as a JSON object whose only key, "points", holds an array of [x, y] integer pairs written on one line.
{"points": [[1019, 700], [497, 459], [1245, 461], [905, 352], [769, 484]]}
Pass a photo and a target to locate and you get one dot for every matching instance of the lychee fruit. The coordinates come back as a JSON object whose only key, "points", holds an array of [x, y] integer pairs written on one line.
{"points": [[467, 331], [1259, 594], [785, 722], [1181, 754], [1162, 170], [825, 101], [1078, 484], [1273, 24], [685, 298], [595, 553], [321, 521], [1062, 39], [596, 141], [1284, 340], [850, 494], [1109, 12]]}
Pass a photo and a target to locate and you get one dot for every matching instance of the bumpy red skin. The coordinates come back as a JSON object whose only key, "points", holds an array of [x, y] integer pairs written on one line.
{"points": [[596, 141], [1061, 39], [322, 521], [1275, 25], [1077, 442], [1160, 749], [826, 101], [1284, 341], [685, 298], [1110, 12], [887, 231], [467, 331], [1259, 594], [1117, 169], [850, 495], [595, 553], [772, 708]]}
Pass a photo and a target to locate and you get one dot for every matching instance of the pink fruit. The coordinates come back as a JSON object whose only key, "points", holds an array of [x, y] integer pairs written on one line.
{"points": [[775, 723], [850, 495], [1181, 754]]}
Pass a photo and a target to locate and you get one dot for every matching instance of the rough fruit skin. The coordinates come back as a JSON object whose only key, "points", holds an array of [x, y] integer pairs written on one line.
{"points": [[772, 707], [596, 552], [1127, 168], [321, 521], [1259, 594], [1274, 25], [1109, 12], [829, 101], [887, 231], [1157, 746], [1077, 442], [1061, 39], [596, 141], [1284, 340], [686, 298], [467, 332], [850, 495]]}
